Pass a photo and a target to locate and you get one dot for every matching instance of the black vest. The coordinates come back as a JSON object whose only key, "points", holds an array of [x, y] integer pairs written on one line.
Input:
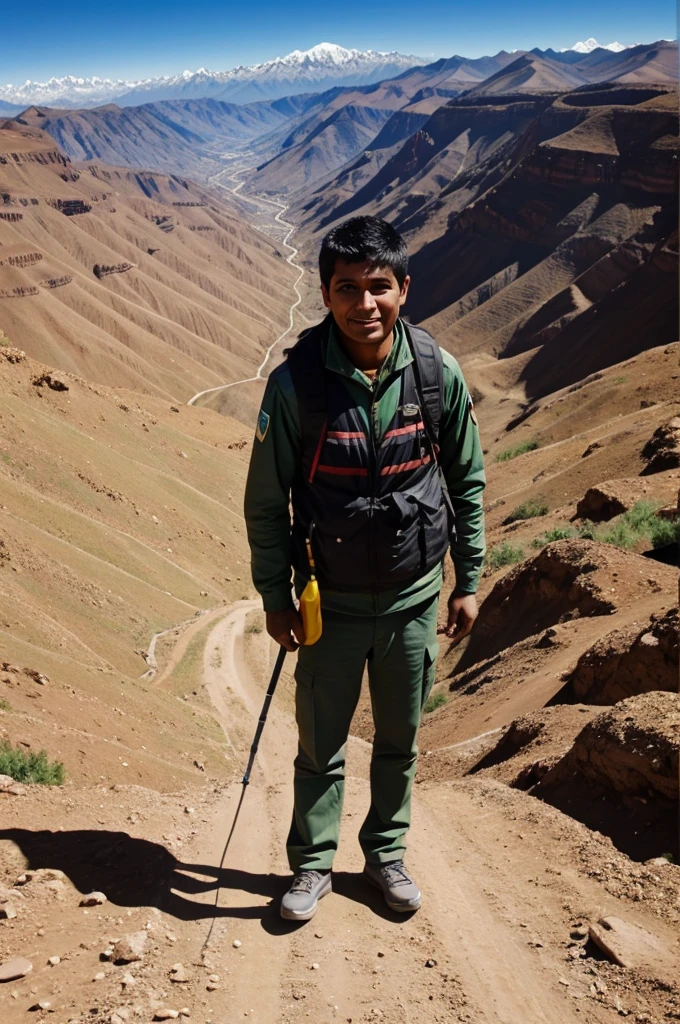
{"points": [[377, 512]]}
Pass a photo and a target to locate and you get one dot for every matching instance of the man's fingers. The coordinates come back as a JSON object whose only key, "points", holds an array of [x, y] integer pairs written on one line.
{"points": [[286, 640]]}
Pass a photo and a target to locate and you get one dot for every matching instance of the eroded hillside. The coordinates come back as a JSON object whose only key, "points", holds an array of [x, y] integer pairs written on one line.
{"points": [[131, 278]]}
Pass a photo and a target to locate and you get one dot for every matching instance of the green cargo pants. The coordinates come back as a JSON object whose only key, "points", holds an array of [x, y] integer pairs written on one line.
{"points": [[400, 650]]}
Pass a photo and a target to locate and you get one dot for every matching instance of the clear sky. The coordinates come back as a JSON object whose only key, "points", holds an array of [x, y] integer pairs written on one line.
{"points": [[136, 38]]}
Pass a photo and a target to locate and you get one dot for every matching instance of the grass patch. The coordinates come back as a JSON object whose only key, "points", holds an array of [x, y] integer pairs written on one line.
{"points": [[620, 380], [5, 705], [437, 700], [4, 340], [24, 766], [504, 554], [557, 533], [253, 627], [520, 449], [528, 510], [638, 523]]}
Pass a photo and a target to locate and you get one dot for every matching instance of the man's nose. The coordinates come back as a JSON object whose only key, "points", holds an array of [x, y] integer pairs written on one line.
{"points": [[366, 300]]}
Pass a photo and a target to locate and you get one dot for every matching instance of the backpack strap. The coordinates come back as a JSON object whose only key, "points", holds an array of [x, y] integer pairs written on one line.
{"points": [[308, 373], [428, 367]]}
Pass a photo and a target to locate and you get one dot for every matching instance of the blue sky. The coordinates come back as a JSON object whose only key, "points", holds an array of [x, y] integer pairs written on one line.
{"points": [[133, 39]]}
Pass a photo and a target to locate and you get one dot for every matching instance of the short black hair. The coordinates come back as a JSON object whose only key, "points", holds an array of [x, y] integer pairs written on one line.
{"points": [[364, 239]]}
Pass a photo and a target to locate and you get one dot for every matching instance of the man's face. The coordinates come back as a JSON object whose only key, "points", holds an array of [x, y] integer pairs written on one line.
{"points": [[364, 301]]}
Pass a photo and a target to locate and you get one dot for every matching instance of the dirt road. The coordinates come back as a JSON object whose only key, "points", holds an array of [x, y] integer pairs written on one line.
{"points": [[489, 945]]}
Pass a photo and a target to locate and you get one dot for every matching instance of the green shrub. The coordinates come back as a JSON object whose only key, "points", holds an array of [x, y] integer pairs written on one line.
{"points": [[5, 705], [504, 554], [528, 510], [586, 531], [25, 766], [557, 533], [253, 627], [620, 380], [663, 532], [437, 700], [638, 523], [4, 340], [520, 449]]}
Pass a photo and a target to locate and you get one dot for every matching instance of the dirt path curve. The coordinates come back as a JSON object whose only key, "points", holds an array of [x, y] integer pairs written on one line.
{"points": [[292, 256], [471, 954]]}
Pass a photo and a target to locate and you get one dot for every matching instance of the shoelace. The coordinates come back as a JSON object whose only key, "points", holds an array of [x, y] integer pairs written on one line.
{"points": [[395, 874], [305, 881]]}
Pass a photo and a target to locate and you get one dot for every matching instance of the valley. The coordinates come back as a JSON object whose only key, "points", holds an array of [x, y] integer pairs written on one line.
{"points": [[155, 261]]}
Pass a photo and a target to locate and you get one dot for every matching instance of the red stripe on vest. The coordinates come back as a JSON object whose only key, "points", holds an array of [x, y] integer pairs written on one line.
{"points": [[404, 466], [317, 453], [345, 434], [344, 470], [411, 428]]}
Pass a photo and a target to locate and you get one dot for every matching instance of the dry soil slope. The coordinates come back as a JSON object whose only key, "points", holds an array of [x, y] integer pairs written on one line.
{"points": [[120, 516], [187, 294]]}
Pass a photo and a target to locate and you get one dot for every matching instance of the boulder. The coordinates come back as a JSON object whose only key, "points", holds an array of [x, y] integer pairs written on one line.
{"points": [[662, 451], [629, 661], [130, 948]]}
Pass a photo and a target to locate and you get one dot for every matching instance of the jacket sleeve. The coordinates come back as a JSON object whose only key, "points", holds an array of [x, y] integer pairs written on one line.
{"points": [[460, 457], [276, 451]]}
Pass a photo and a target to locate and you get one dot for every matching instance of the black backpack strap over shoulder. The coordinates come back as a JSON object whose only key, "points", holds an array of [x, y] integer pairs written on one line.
{"points": [[429, 373], [308, 373]]}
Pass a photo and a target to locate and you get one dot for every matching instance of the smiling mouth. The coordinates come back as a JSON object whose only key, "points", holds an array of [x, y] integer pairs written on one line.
{"points": [[375, 320]]}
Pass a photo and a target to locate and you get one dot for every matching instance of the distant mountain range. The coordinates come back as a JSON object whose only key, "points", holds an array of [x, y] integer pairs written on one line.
{"points": [[322, 67], [314, 70]]}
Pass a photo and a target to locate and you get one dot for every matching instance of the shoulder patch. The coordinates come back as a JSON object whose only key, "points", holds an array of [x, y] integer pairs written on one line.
{"points": [[262, 425], [471, 408]]}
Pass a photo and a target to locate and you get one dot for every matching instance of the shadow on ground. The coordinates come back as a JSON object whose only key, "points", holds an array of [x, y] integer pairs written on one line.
{"points": [[139, 873]]}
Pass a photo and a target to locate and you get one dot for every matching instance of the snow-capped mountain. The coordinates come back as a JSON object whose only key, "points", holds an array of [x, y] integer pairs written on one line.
{"points": [[322, 67], [592, 44]]}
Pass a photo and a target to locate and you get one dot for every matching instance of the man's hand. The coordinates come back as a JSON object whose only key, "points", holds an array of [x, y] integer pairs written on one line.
{"points": [[463, 611], [286, 628]]}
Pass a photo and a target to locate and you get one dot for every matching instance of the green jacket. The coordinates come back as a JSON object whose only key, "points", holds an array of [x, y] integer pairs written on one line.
{"points": [[275, 456]]}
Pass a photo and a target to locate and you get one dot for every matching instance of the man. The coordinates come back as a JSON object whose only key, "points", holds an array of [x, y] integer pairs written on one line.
{"points": [[369, 430]]}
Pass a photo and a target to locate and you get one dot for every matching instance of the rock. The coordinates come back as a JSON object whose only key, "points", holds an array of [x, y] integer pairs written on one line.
{"points": [[11, 970], [315, 967], [54, 960], [430, 963], [51, 380], [185, 1011], [99, 976], [632, 749], [627, 944], [591, 449], [662, 451], [44, 1004], [178, 973], [236, 943], [628, 661], [36, 676], [27, 875], [130, 948], [211, 986], [93, 899], [7, 911], [214, 978], [11, 786], [128, 980], [165, 1014]]}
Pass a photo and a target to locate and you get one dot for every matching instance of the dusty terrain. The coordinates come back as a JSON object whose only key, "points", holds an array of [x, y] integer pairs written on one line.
{"points": [[132, 646]]}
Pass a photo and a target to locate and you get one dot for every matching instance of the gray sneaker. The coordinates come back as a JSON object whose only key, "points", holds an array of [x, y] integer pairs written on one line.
{"points": [[301, 900], [400, 891]]}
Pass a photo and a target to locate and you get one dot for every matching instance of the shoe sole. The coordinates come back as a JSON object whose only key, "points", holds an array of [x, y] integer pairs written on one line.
{"points": [[305, 915], [398, 908]]}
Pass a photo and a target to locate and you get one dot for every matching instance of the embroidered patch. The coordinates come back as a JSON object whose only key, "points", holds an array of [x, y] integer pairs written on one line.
{"points": [[471, 408], [262, 425]]}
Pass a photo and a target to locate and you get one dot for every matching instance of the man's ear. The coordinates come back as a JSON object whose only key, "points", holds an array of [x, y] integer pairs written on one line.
{"points": [[404, 290], [326, 296]]}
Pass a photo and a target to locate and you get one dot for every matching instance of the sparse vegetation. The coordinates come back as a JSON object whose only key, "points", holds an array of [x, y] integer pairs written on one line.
{"points": [[528, 510], [620, 380], [253, 627], [557, 533], [5, 705], [437, 700], [4, 340], [504, 554], [520, 449], [638, 523], [26, 766]]}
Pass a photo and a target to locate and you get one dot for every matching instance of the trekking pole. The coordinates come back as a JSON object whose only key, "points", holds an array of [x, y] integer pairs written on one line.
{"points": [[278, 665]]}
